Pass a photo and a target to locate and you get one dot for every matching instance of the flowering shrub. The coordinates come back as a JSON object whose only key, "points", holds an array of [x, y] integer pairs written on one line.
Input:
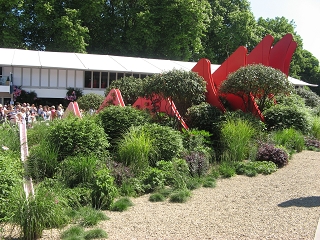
{"points": [[21, 95], [16, 92], [73, 94]]}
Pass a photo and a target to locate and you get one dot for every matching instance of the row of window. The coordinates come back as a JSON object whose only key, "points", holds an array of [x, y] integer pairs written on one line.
{"points": [[94, 79]]}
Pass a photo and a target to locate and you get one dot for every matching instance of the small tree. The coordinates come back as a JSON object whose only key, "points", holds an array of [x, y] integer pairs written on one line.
{"points": [[90, 101], [185, 88], [261, 81]]}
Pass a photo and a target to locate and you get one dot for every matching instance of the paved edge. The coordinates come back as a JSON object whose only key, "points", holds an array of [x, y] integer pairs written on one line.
{"points": [[317, 235]]}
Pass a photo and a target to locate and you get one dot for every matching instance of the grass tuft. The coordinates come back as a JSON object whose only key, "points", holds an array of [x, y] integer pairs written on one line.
{"points": [[121, 205]]}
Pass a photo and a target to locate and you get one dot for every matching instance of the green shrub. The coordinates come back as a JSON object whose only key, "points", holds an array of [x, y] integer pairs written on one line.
{"points": [[136, 149], [73, 136], [281, 117], [42, 161], [315, 127], [91, 217], [253, 168], [43, 210], [157, 197], [104, 190], [78, 196], [73, 232], [95, 233], [180, 196], [290, 138], [90, 101], [152, 179], [10, 136], [117, 120], [132, 187], [311, 98], [237, 135], [79, 169], [121, 205], [11, 172], [204, 117], [268, 152], [167, 141]]}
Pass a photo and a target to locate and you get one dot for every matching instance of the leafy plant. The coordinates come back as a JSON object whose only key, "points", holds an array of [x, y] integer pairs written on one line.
{"points": [[198, 164], [104, 189], [157, 197], [9, 136], [73, 94], [290, 139], [268, 152], [311, 98], [180, 196], [227, 169], [312, 143], [117, 120], [252, 168], [90, 101], [152, 179], [121, 204], [315, 127], [72, 136]]}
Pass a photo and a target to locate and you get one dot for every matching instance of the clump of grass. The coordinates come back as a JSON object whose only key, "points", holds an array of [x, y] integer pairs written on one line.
{"points": [[165, 192], [193, 183], [209, 182], [91, 217], [291, 139], [121, 204], [74, 232], [315, 127], [95, 233], [180, 196], [157, 197]]}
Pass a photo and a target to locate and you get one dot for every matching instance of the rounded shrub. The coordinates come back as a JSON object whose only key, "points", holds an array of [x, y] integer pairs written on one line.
{"points": [[72, 136], [117, 120], [268, 152], [281, 117], [167, 141], [90, 101], [311, 98]]}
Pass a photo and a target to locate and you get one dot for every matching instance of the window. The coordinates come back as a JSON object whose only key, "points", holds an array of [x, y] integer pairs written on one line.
{"points": [[113, 76], [96, 80], [87, 79], [104, 79]]}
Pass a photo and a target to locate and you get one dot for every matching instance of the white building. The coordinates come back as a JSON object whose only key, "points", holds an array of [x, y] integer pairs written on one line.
{"points": [[49, 74]]}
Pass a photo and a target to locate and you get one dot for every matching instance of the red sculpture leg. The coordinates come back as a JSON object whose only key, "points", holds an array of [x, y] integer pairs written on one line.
{"points": [[260, 54], [279, 51], [73, 108], [114, 97], [203, 68], [290, 52]]}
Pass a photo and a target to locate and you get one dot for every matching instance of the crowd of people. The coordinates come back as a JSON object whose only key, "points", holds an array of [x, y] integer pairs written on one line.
{"points": [[31, 113]]}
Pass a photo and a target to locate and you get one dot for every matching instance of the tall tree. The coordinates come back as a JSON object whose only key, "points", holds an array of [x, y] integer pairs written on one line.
{"points": [[232, 25]]}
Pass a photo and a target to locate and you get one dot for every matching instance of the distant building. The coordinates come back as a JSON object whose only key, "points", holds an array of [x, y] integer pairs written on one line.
{"points": [[49, 74]]}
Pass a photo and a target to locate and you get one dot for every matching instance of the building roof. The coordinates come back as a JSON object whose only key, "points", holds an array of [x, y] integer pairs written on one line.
{"points": [[95, 62]]}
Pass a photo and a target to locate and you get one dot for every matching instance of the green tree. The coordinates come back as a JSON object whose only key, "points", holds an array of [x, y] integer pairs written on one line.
{"points": [[185, 88], [261, 81], [90, 101], [232, 25]]}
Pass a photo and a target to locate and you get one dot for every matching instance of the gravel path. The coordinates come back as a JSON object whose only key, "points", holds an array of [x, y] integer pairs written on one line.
{"points": [[283, 205]]}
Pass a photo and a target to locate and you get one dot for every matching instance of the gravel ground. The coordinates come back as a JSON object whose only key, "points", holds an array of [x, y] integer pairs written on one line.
{"points": [[283, 205]]}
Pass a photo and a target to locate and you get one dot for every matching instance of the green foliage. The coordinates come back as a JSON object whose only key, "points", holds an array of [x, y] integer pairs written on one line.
{"points": [[104, 190], [42, 161], [281, 117], [90, 217], [315, 127], [209, 183], [72, 136], [227, 169], [292, 100], [167, 141], [252, 168], [73, 94], [259, 80], [185, 88], [180, 196], [291, 139], [76, 170], [117, 120], [268, 152], [311, 98], [121, 204], [237, 135], [43, 210], [73, 232], [11, 171], [90, 101], [152, 179], [37, 133], [9, 136], [130, 88], [136, 149], [204, 117], [157, 197], [95, 233]]}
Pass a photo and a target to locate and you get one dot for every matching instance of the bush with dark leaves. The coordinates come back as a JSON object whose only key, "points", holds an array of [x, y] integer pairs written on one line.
{"points": [[198, 163], [312, 143], [268, 152]]}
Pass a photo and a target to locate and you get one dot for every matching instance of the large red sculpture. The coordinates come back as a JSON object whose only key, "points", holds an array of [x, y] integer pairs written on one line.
{"points": [[278, 56]]}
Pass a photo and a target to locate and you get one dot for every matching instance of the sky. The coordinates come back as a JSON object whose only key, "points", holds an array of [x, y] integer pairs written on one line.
{"points": [[305, 14]]}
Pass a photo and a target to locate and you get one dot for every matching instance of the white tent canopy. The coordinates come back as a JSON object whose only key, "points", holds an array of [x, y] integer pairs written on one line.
{"points": [[94, 62]]}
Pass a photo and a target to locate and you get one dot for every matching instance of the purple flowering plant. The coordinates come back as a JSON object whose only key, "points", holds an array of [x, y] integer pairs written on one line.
{"points": [[73, 94]]}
